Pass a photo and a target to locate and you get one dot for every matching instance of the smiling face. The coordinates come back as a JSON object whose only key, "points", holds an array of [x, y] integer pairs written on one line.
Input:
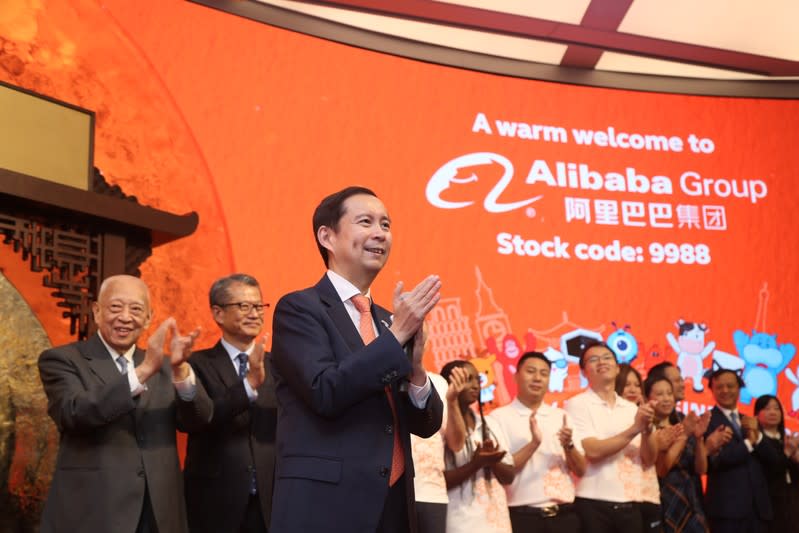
{"points": [[632, 389], [360, 247], [600, 367], [725, 390], [239, 328], [663, 393], [122, 311], [532, 381]]}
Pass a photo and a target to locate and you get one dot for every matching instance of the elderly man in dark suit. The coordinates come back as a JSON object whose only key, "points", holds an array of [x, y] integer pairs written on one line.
{"points": [[230, 465], [737, 499], [117, 408], [348, 394]]}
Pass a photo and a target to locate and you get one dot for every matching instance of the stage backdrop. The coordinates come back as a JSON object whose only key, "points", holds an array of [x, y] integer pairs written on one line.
{"points": [[554, 214]]}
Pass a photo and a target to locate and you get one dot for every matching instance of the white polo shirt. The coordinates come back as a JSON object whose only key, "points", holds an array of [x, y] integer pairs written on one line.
{"points": [[617, 478], [545, 479]]}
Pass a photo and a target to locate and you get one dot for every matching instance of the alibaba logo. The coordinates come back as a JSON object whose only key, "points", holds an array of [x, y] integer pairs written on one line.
{"points": [[446, 177]]}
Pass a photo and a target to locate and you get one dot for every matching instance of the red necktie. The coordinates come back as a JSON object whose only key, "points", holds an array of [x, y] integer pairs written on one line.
{"points": [[368, 335]]}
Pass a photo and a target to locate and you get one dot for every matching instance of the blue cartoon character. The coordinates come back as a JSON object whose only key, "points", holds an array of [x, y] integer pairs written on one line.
{"points": [[763, 359], [623, 344], [692, 350]]}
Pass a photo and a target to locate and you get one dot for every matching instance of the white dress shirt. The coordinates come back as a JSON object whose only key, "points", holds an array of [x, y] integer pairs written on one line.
{"points": [[185, 388], [346, 291], [233, 353]]}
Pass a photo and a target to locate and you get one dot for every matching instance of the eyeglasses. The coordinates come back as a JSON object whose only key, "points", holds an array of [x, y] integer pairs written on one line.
{"points": [[246, 307], [607, 358]]}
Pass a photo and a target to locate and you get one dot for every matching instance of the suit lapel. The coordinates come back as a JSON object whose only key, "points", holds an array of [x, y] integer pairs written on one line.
{"points": [[143, 398], [220, 361], [99, 360], [338, 314]]}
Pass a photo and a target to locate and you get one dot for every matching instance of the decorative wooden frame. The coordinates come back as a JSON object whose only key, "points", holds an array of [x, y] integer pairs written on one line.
{"points": [[78, 238]]}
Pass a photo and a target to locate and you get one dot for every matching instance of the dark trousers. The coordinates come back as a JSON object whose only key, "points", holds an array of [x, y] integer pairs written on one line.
{"points": [[394, 518], [431, 517], [526, 519], [600, 516], [651, 517], [750, 524], [253, 517]]}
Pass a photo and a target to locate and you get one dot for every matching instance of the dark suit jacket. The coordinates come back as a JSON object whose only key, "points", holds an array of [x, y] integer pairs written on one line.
{"points": [[335, 432], [736, 487], [112, 443], [219, 459]]}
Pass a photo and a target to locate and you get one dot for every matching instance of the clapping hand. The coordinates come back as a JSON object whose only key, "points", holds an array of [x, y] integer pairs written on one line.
{"points": [[487, 454], [458, 380], [565, 435], [257, 374]]}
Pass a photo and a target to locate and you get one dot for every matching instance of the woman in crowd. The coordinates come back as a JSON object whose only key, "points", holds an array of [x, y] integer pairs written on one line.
{"points": [[628, 384], [475, 474], [682, 457], [780, 467]]}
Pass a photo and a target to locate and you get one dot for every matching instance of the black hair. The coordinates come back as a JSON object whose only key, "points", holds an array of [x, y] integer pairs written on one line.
{"points": [[594, 344], [218, 295], [659, 369], [720, 372], [446, 372], [532, 355], [762, 402], [330, 210], [650, 382], [658, 372]]}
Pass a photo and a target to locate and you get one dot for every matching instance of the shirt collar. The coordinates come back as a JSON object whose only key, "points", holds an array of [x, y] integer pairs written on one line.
{"points": [[522, 409], [344, 288], [233, 352], [114, 354], [596, 398], [728, 412]]}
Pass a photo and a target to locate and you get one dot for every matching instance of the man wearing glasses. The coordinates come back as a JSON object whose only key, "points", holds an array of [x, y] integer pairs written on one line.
{"points": [[230, 464], [616, 436]]}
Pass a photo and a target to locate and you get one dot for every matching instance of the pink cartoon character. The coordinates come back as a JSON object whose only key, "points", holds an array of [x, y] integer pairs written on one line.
{"points": [[692, 350]]}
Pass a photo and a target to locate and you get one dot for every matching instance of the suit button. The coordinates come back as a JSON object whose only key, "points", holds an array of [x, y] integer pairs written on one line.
{"points": [[140, 473], [389, 429], [383, 472]]}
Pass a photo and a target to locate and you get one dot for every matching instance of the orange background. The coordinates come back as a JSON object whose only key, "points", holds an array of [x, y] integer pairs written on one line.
{"points": [[251, 126]]}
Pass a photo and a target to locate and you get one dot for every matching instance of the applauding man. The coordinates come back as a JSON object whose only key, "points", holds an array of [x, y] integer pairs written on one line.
{"points": [[541, 497], [617, 439], [230, 465], [116, 408], [348, 394], [737, 495]]}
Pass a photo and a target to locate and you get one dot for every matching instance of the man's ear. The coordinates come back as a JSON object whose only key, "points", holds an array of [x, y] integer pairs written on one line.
{"points": [[149, 318], [96, 312], [325, 235], [216, 314]]}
